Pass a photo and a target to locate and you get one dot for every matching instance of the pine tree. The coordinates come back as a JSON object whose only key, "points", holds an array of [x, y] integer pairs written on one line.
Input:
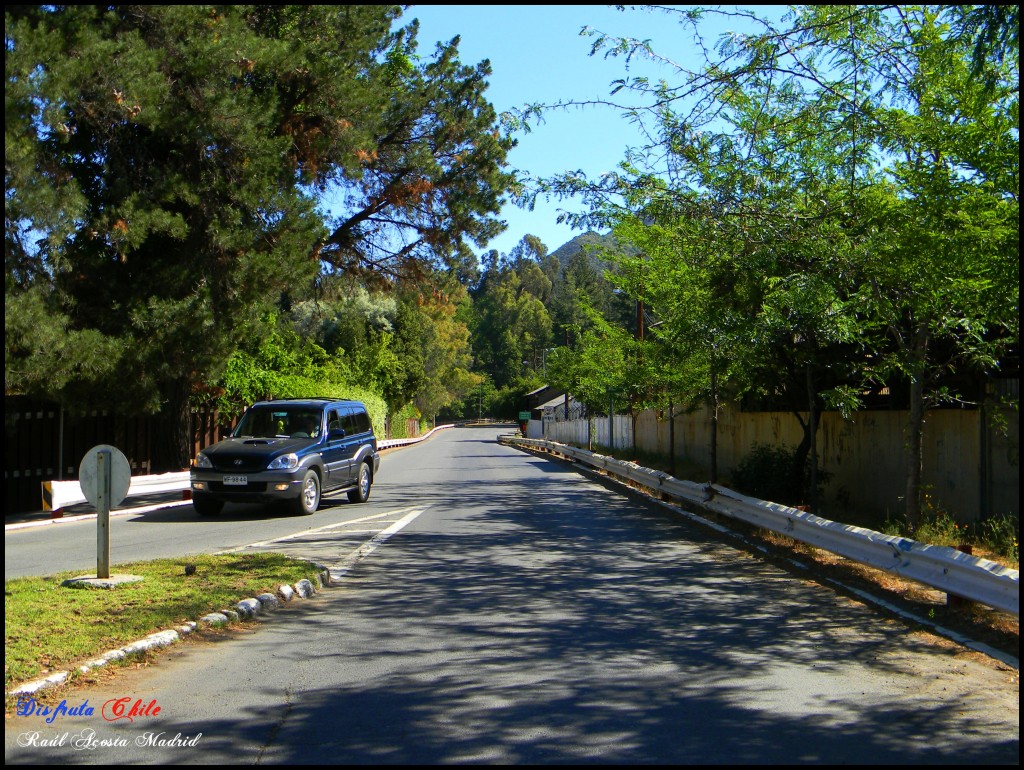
{"points": [[167, 168]]}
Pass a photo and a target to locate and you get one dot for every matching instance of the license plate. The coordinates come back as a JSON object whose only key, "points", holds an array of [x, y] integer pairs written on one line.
{"points": [[236, 481]]}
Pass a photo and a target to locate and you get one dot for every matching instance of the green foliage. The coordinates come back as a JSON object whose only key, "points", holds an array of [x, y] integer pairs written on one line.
{"points": [[829, 204], [506, 403], [999, 535], [777, 474], [935, 525], [445, 346], [167, 169], [478, 402], [940, 529], [399, 420], [284, 365], [598, 367], [1002, 535], [511, 326], [528, 301], [42, 354]]}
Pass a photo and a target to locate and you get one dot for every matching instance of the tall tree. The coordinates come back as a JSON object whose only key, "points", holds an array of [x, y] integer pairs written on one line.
{"points": [[167, 168], [861, 164], [432, 175], [686, 277], [511, 326], [447, 361]]}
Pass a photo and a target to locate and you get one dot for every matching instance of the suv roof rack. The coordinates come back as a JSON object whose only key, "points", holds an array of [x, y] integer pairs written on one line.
{"points": [[305, 398]]}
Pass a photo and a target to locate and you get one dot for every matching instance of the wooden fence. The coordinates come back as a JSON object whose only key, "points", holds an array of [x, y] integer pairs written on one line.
{"points": [[43, 443], [971, 468]]}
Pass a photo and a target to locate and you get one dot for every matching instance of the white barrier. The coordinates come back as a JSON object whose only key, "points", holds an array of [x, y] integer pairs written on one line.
{"points": [[941, 567], [391, 443], [58, 495]]}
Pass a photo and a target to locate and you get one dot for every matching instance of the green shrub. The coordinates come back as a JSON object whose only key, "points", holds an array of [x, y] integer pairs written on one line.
{"points": [[1001, 534], [998, 535], [769, 473], [399, 420], [940, 528], [773, 473]]}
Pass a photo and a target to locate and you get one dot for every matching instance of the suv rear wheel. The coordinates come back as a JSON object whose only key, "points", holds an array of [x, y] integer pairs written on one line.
{"points": [[309, 498], [362, 491]]}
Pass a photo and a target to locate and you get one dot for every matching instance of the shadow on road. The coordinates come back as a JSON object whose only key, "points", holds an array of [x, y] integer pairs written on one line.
{"points": [[553, 623]]}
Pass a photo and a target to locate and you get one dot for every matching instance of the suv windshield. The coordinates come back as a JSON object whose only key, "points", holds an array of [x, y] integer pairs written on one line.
{"points": [[279, 421]]}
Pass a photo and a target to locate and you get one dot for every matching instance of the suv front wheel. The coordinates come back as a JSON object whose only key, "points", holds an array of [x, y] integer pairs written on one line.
{"points": [[309, 498]]}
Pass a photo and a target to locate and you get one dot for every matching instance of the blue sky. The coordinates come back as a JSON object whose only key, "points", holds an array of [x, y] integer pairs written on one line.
{"points": [[537, 55]]}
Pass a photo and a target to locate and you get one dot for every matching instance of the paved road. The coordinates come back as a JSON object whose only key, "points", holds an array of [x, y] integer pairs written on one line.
{"points": [[163, 526], [527, 614]]}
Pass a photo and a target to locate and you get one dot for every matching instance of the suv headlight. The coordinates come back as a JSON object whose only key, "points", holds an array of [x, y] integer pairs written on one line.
{"points": [[284, 462], [202, 461]]}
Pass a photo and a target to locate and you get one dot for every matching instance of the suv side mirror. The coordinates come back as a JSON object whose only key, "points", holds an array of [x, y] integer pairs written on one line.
{"points": [[336, 433]]}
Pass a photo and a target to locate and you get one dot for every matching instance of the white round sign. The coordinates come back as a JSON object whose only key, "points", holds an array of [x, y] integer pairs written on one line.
{"points": [[120, 475]]}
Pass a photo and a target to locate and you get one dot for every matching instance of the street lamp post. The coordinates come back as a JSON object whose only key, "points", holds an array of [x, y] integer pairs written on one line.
{"points": [[544, 362]]}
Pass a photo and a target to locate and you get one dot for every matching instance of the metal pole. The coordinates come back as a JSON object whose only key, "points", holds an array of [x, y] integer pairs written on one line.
{"points": [[714, 424], [103, 467], [60, 446], [672, 438], [611, 423]]}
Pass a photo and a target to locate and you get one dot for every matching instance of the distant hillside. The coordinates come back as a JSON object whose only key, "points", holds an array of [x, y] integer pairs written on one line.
{"points": [[565, 252]]}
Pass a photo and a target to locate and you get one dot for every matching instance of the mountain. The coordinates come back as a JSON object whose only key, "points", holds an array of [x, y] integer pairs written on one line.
{"points": [[566, 251]]}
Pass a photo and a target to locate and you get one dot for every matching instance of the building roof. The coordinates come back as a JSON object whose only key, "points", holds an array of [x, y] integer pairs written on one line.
{"points": [[555, 402]]}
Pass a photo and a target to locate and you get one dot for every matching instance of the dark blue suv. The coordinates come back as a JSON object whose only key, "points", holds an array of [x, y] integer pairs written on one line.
{"points": [[290, 450]]}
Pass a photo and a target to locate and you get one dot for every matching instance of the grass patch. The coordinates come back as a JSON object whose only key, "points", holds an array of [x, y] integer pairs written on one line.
{"points": [[49, 627]]}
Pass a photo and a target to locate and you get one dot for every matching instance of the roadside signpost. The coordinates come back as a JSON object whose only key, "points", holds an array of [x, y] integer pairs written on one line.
{"points": [[105, 476], [524, 420]]}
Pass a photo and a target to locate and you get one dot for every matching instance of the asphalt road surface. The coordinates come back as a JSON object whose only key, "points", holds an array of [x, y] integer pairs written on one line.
{"points": [[524, 613]]}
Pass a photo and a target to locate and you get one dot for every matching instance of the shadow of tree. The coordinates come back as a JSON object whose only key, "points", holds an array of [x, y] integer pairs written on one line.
{"points": [[537, 619]]}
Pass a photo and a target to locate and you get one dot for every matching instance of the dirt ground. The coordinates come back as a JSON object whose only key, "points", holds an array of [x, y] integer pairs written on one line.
{"points": [[997, 629]]}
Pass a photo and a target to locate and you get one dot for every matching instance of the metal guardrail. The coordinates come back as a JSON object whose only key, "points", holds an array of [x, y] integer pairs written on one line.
{"points": [[941, 567]]}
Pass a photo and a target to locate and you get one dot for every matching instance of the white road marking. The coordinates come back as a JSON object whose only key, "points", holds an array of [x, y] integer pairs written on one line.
{"points": [[324, 528], [337, 573]]}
